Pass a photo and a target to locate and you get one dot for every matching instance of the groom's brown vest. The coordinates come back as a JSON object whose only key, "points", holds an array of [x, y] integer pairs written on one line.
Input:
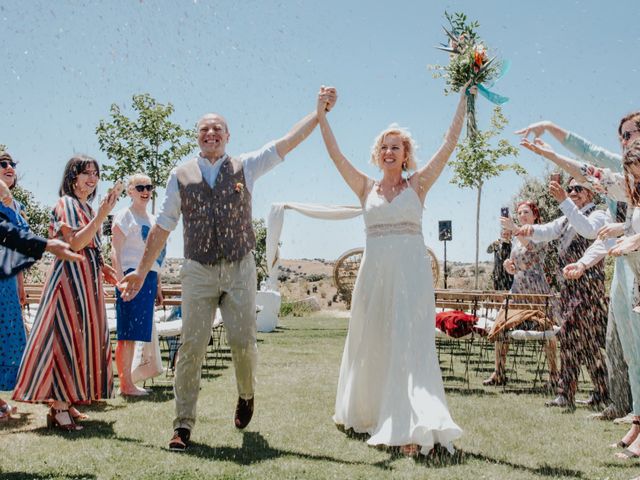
{"points": [[217, 221]]}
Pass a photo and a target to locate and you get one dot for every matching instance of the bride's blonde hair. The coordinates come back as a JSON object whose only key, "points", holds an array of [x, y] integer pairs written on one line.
{"points": [[410, 146]]}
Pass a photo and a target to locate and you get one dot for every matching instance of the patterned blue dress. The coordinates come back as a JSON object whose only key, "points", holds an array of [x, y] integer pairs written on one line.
{"points": [[12, 333]]}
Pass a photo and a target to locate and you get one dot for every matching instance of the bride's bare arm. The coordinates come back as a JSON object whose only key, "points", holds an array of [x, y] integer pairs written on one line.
{"points": [[424, 178], [356, 180]]}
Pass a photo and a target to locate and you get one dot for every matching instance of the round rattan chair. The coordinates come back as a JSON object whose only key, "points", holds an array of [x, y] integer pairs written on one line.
{"points": [[346, 269]]}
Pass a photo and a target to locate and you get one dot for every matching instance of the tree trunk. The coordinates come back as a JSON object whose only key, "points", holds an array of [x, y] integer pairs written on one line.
{"points": [[154, 195], [478, 232]]}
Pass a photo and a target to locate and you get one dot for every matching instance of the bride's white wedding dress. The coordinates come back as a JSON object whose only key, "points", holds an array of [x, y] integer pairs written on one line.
{"points": [[390, 383]]}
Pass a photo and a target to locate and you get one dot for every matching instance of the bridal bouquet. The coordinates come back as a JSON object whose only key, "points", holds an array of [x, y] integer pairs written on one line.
{"points": [[469, 62]]}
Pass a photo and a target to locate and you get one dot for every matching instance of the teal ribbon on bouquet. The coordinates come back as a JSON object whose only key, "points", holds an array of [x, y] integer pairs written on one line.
{"points": [[492, 96]]}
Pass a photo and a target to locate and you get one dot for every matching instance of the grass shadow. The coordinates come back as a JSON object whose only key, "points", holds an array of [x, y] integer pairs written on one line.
{"points": [[256, 449], [543, 470], [92, 429], [44, 476]]}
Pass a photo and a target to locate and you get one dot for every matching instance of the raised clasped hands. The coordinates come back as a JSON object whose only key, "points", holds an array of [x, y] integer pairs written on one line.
{"points": [[573, 271], [327, 98], [626, 245], [130, 285]]}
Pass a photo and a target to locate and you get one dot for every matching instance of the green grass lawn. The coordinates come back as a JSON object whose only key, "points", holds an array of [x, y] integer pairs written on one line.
{"points": [[508, 433]]}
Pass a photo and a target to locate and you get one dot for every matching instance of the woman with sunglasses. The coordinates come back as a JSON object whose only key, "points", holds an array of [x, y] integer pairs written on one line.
{"points": [[67, 359], [130, 228], [12, 333]]}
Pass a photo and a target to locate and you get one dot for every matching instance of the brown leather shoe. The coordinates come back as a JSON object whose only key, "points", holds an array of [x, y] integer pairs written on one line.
{"points": [[180, 440], [244, 412]]}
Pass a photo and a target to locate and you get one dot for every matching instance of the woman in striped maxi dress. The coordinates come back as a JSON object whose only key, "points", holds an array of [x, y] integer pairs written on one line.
{"points": [[68, 355]]}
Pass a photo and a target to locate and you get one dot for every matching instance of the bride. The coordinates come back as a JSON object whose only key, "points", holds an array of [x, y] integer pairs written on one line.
{"points": [[390, 384]]}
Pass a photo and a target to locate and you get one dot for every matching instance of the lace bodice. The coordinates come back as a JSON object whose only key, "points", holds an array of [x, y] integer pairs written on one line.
{"points": [[403, 215]]}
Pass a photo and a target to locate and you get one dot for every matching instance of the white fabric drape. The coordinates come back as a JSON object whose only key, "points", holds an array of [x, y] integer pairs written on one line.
{"points": [[276, 219]]}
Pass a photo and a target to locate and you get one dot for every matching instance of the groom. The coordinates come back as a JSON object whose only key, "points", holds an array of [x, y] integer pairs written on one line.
{"points": [[213, 194]]}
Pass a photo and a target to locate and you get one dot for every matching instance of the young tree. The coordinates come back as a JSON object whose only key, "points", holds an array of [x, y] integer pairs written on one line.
{"points": [[477, 162], [150, 143], [37, 214], [260, 252]]}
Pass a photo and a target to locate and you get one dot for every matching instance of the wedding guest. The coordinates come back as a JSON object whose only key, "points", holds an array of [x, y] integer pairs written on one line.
{"points": [[213, 194], [68, 356], [390, 385], [582, 305], [629, 246], [501, 249], [130, 230], [526, 264], [12, 333], [620, 318]]}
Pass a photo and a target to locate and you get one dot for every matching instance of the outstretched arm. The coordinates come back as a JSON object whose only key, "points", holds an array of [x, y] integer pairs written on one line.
{"points": [[356, 180], [131, 283], [573, 142], [424, 178], [571, 166], [303, 128]]}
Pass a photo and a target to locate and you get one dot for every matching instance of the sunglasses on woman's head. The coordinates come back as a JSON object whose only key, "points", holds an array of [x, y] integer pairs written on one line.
{"points": [[575, 188], [6, 163], [142, 188], [627, 135]]}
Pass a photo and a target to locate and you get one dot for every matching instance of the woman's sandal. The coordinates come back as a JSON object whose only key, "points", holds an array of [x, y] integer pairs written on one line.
{"points": [[8, 409], [495, 380], [622, 443], [627, 454], [77, 414], [62, 420]]}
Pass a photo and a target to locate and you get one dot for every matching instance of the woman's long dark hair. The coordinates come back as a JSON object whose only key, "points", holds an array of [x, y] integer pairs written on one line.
{"points": [[75, 166]]}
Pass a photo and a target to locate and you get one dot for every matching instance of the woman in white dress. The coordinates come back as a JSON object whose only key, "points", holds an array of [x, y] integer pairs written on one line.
{"points": [[390, 384]]}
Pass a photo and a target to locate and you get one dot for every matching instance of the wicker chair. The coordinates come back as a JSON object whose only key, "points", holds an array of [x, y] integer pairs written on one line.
{"points": [[346, 269]]}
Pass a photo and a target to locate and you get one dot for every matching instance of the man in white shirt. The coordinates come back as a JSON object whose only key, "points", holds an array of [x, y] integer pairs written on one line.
{"points": [[213, 195], [582, 301]]}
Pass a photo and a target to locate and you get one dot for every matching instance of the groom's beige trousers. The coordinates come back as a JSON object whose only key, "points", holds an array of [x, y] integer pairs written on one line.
{"points": [[231, 285]]}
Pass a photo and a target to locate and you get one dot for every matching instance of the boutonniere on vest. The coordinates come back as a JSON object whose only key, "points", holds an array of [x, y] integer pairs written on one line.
{"points": [[239, 187]]}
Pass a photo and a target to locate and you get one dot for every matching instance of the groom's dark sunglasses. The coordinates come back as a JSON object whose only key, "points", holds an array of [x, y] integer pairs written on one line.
{"points": [[142, 188], [575, 188], [6, 163]]}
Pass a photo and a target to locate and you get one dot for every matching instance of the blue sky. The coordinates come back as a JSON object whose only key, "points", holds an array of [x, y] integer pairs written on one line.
{"points": [[260, 63]]}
